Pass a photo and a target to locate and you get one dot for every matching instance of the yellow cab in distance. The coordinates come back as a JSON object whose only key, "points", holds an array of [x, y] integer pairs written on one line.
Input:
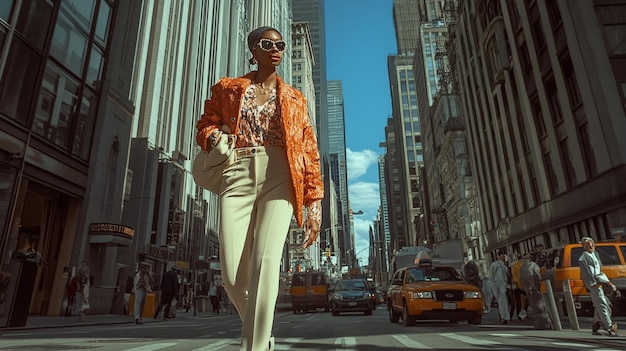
{"points": [[428, 292]]}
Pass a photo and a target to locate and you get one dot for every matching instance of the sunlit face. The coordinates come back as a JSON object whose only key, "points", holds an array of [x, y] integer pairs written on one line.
{"points": [[269, 55], [589, 245]]}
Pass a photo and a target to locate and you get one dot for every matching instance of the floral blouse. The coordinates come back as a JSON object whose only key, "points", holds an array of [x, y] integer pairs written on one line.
{"points": [[260, 126]]}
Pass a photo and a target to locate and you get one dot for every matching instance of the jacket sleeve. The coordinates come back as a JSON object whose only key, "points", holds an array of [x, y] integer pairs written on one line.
{"points": [[212, 118], [313, 185]]}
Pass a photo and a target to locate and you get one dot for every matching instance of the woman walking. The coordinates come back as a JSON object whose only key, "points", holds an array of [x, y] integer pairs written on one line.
{"points": [[273, 173]]}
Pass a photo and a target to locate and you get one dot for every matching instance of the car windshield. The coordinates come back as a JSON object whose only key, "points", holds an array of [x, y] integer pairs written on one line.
{"points": [[351, 285], [431, 274]]}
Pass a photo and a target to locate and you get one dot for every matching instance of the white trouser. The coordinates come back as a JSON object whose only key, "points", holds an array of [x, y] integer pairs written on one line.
{"points": [[256, 210], [601, 306], [140, 303], [499, 291]]}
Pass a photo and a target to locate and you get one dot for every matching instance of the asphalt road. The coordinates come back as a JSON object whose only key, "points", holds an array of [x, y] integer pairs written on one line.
{"points": [[313, 331]]}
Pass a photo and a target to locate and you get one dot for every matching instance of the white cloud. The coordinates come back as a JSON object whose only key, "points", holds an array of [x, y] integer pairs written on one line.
{"points": [[363, 197], [359, 162]]}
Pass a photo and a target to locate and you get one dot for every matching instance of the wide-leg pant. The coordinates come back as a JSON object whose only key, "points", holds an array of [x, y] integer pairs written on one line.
{"points": [[256, 210], [140, 303], [499, 291], [601, 307]]}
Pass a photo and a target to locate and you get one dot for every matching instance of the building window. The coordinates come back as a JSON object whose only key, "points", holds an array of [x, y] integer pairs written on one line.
{"points": [[17, 86], [568, 165], [571, 84], [69, 45], [534, 185], [102, 26], [5, 10], [57, 102], [616, 37], [553, 102], [84, 125], [34, 20], [587, 149], [551, 175], [553, 13], [538, 117]]}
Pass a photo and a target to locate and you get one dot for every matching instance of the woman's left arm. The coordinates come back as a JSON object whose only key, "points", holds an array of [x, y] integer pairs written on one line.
{"points": [[313, 186]]}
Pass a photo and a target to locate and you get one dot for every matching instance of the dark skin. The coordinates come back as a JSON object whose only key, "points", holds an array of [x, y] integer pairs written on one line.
{"points": [[266, 80]]}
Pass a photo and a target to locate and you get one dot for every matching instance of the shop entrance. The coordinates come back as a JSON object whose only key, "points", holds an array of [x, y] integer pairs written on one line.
{"points": [[41, 246]]}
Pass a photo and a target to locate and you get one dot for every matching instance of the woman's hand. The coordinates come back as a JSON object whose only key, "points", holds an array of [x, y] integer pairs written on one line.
{"points": [[312, 230]]}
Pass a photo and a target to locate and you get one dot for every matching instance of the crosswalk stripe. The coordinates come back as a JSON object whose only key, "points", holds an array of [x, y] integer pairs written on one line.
{"points": [[286, 344], [152, 347], [215, 346], [408, 342], [469, 339], [346, 343]]}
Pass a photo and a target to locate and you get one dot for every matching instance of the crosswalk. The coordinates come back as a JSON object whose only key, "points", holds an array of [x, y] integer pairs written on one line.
{"points": [[396, 341]]}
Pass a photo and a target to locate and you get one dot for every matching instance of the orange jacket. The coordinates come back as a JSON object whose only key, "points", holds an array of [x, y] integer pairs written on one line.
{"points": [[223, 108]]}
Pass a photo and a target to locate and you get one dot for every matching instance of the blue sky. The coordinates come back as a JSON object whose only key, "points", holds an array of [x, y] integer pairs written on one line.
{"points": [[359, 38]]}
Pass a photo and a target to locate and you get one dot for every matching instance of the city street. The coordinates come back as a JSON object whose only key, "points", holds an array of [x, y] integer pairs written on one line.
{"points": [[311, 331]]}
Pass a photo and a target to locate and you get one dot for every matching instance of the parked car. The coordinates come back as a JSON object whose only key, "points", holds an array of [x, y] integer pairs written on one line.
{"points": [[351, 295], [427, 292], [309, 291], [562, 265]]}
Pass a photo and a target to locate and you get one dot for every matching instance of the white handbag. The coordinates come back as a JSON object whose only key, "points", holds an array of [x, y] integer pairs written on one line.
{"points": [[208, 167]]}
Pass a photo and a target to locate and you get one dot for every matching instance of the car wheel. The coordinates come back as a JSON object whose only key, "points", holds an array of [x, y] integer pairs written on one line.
{"points": [[394, 317], [407, 320], [475, 320]]}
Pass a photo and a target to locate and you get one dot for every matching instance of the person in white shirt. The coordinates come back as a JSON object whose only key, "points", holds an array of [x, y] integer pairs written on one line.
{"points": [[499, 275], [593, 278]]}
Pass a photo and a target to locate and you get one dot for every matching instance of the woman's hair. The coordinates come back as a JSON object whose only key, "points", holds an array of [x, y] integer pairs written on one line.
{"points": [[255, 36]]}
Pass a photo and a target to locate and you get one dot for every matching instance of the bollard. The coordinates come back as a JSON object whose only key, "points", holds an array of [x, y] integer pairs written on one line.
{"points": [[569, 303], [552, 310]]}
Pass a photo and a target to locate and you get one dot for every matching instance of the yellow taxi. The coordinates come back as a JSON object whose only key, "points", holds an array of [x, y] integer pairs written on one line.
{"points": [[430, 292]]}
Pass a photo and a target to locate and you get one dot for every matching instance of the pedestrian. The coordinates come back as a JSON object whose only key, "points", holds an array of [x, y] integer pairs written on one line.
{"points": [[141, 288], [594, 279], [71, 287], [274, 173], [499, 275], [82, 290], [169, 288], [519, 295], [213, 296], [539, 257], [188, 298], [530, 278], [487, 290], [471, 274]]}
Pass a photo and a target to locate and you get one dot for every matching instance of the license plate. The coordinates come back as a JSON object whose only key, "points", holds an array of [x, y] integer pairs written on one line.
{"points": [[351, 303], [449, 305]]}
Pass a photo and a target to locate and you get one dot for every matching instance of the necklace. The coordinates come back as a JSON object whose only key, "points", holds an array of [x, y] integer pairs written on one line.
{"points": [[263, 91]]}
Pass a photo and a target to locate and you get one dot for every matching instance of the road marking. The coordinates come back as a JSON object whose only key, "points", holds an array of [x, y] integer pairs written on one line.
{"points": [[469, 339], [153, 347], [408, 342], [347, 343], [287, 343], [215, 346]]}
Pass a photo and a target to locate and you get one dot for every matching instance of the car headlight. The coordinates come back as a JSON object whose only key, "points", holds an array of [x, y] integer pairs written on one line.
{"points": [[367, 295], [472, 295], [422, 295], [338, 297]]}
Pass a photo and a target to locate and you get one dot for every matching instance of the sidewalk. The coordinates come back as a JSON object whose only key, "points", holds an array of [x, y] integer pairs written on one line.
{"points": [[40, 322]]}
